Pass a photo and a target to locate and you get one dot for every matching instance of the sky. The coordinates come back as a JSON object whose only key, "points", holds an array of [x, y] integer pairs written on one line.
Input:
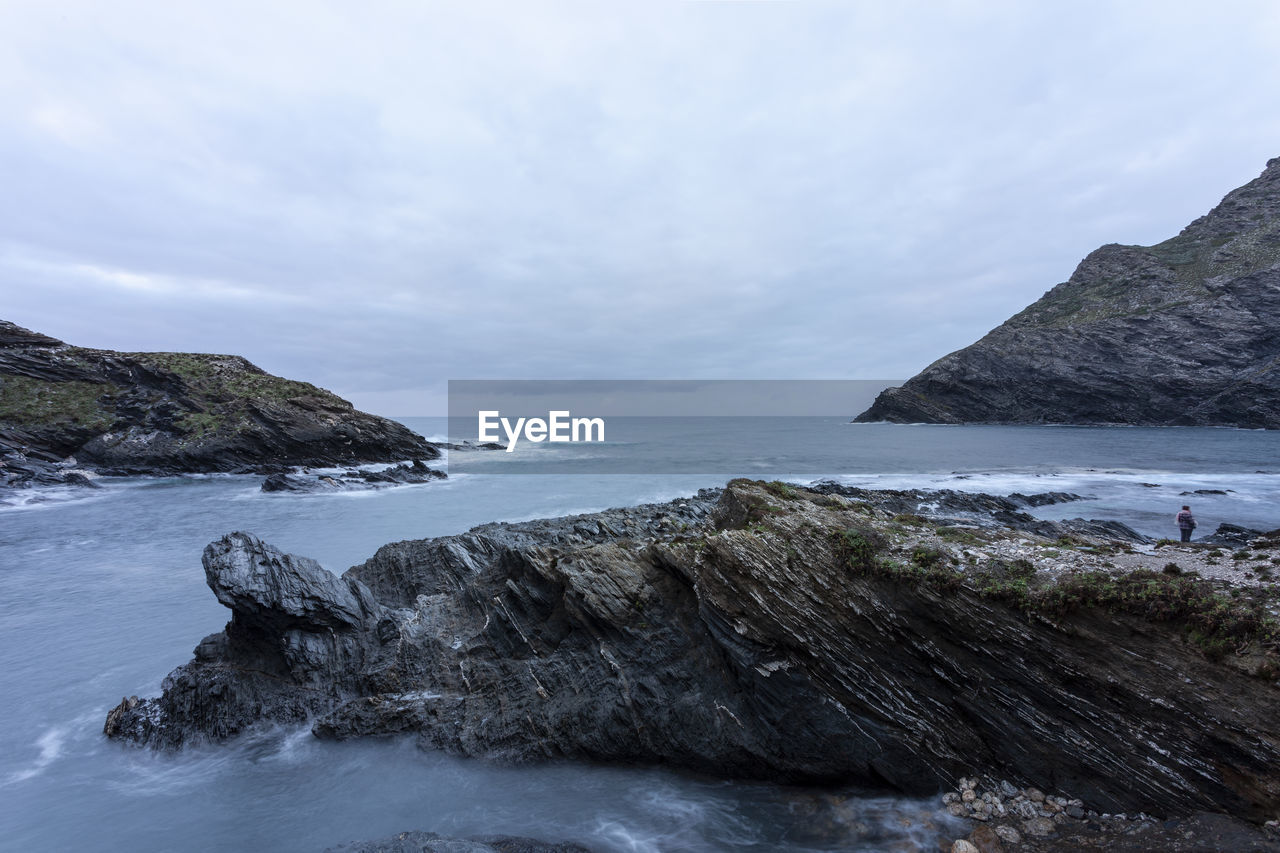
{"points": [[379, 197]]}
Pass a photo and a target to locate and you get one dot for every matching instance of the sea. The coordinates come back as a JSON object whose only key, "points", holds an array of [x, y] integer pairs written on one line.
{"points": [[102, 594]]}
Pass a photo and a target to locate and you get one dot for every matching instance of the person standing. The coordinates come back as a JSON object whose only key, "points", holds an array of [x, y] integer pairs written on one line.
{"points": [[1186, 523]]}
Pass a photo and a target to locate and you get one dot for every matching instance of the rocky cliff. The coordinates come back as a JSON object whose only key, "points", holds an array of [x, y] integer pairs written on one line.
{"points": [[155, 412], [1186, 332], [759, 631]]}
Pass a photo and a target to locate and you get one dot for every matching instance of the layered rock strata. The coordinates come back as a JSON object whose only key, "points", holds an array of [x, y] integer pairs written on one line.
{"points": [[761, 631]]}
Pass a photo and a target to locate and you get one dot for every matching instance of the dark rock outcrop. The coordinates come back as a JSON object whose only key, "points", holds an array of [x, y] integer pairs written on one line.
{"points": [[1045, 498], [1233, 536], [1186, 332], [353, 480], [752, 632], [974, 509], [471, 445], [298, 636], [18, 470], [148, 413]]}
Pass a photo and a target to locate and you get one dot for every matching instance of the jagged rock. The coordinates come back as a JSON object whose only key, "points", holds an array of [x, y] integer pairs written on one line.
{"points": [[1044, 498], [985, 511], [430, 842], [306, 485], [297, 639], [20, 471], [1231, 536], [149, 413], [415, 472], [350, 481], [1186, 332], [746, 633]]}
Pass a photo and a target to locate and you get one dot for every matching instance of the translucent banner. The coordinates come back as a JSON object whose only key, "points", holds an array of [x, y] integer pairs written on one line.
{"points": [[732, 427]]}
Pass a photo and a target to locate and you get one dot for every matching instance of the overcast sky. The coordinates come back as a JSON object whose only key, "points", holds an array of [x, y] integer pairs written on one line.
{"points": [[377, 197]]}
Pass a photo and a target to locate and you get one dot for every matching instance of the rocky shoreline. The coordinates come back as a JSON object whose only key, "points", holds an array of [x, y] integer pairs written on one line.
{"points": [[70, 413], [899, 640], [1004, 817]]}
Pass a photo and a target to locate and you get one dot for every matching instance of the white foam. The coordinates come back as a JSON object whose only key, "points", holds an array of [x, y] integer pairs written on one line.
{"points": [[49, 497], [50, 745], [619, 837]]}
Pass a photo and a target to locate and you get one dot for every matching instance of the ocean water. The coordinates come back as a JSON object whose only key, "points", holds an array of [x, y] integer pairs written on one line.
{"points": [[102, 594]]}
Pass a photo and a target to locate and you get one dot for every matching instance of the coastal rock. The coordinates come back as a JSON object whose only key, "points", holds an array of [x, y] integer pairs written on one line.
{"points": [[983, 511], [1186, 332], [464, 446], [297, 639], [162, 413], [1058, 823], [20, 471], [354, 480], [763, 631], [1044, 498], [1232, 536]]}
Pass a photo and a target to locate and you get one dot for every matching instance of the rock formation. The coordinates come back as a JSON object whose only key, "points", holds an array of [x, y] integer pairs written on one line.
{"points": [[148, 413], [1186, 332], [760, 631], [353, 480]]}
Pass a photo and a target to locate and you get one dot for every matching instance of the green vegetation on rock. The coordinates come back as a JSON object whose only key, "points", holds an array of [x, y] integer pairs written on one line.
{"points": [[27, 401], [168, 411]]}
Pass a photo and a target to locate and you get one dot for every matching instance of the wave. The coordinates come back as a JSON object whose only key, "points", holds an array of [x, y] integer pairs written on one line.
{"points": [[49, 745], [49, 497], [52, 744]]}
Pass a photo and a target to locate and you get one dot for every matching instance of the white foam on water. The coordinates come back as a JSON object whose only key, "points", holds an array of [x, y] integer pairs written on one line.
{"points": [[147, 773], [49, 497], [50, 746], [288, 746], [625, 838], [53, 744]]}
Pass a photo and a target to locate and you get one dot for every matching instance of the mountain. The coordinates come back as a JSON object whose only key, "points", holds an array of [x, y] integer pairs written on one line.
{"points": [[167, 412], [1185, 332]]}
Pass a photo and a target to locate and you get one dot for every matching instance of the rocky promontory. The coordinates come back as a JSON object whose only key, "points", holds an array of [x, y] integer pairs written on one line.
{"points": [[763, 631], [1185, 332], [64, 408]]}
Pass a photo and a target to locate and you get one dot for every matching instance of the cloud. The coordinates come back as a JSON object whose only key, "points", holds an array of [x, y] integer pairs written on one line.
{"points": [[378, 200]]}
